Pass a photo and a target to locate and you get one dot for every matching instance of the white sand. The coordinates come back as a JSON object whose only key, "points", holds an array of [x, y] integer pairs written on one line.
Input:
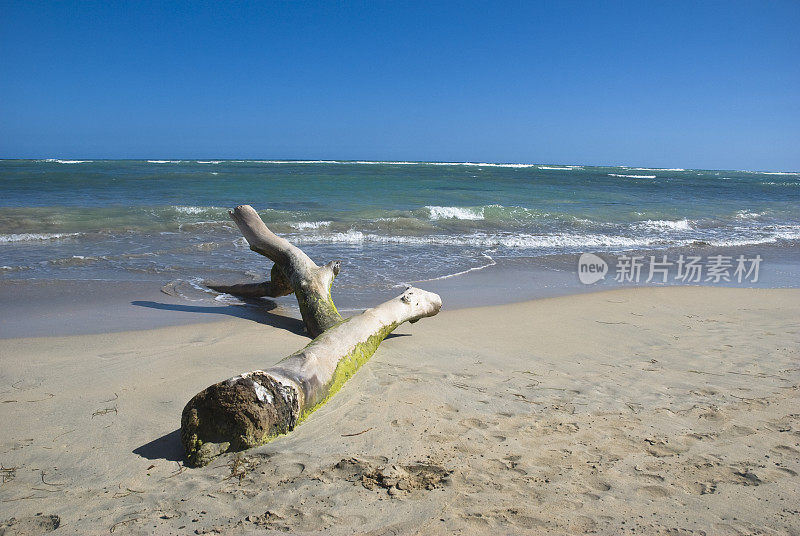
{"points": [[654, 411]]}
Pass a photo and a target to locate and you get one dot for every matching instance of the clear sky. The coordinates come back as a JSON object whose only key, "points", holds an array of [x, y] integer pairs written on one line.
{"points": [[671, 84]]}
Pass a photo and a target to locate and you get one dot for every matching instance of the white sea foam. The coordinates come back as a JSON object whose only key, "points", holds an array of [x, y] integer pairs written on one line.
{"points": [[632, 176], [77, 260], [381, 162], [562, 168], [208, 161], [33, 237], [748, 215], [788, 232], [293, 161], [763, 235], [479, 164], [191, 210], [394, 163], [472, 164], [557, 241], [522, 240], [196, 283], [164, 161], [59, 161], [307, 225], [458, 213], [660, 225], [655, 169], [491, 262], [753, 241]]}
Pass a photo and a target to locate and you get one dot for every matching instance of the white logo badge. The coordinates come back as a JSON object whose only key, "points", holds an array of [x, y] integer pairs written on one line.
{"points": [[591, 268]]}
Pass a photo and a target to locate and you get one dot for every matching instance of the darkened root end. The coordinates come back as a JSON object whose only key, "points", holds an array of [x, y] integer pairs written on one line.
{"points": [[236, 414]]}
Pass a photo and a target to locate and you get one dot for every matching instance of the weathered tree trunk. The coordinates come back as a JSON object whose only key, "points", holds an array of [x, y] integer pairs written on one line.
{"points": [[293, 272], [253, 408]]}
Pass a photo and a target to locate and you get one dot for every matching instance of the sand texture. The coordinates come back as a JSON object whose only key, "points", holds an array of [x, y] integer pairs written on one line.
{"points": [[650, 411]]}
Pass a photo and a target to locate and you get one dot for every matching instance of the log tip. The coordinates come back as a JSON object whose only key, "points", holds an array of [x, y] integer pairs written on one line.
{"points": [[421, 302]]}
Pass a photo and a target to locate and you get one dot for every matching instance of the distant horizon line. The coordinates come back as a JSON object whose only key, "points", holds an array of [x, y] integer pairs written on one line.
{"points": [[541, 165]]}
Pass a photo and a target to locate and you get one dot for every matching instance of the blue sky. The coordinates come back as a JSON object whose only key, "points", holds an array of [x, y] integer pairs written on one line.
{"points": [[684, 84]]}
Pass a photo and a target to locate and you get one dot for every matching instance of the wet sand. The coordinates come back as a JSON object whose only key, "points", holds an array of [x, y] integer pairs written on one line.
{"points": [[650, 411]]}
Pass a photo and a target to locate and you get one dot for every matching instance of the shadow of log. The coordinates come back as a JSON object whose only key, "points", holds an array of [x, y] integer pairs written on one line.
{"points": [[250, 312], [167, 447]]}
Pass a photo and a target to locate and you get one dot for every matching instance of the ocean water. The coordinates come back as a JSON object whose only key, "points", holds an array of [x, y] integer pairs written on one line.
{"points": [[390, 222]]}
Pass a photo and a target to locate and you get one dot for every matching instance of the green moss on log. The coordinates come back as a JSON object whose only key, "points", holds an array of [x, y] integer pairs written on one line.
{"points": [[229, 416], [318, 312], [348, 365]]}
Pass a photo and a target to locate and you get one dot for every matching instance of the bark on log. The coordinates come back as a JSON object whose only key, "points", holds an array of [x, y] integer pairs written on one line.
{"points": [[251, 409], [293, 272]]}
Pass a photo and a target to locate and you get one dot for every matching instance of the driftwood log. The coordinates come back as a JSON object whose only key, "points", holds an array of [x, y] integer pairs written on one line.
{"points": [[253, 408], [293, 272]]}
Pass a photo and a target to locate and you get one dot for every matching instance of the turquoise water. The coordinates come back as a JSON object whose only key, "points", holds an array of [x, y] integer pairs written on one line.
{"points": [[390, 223]]}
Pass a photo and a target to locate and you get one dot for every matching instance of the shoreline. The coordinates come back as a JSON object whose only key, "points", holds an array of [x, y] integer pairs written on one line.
{"points": [[646, 409], [38, 307]]}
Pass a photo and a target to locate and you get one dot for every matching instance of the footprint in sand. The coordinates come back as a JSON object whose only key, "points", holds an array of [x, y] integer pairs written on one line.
{"points": [[660, 449], [293, 519], [27, 384], [702, 488], [476, 423], [509, 463], [512, 517], [785, 450], [655, 492], [559, 428], [649, 477], [598, 485], [289, 470], [704, 436], [30, 526]]}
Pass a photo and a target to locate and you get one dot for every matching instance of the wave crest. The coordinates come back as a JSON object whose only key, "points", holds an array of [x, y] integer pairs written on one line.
{"points": [[660, 225], [632, 176], [34, 237], [308, 225], [458, 213]]}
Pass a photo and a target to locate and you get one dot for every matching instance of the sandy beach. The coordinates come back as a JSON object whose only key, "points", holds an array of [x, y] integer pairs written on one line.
{"points": [[648, 411], [384, 269]]}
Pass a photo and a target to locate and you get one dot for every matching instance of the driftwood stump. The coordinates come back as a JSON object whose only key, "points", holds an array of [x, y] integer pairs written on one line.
{"points": [[251, 409]]}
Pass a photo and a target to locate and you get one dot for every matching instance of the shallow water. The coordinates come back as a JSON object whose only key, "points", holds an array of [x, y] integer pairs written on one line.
{"points": [[390, 223]]}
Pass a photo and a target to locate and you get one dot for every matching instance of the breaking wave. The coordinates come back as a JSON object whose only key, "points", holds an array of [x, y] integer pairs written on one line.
{"points": [[458, 213], [748, 215], [194, 210], [307, 225], [659, 225], [34, 237], [654, 169], [560, 168], [396, 163], [521, 240], [632, 176]]}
